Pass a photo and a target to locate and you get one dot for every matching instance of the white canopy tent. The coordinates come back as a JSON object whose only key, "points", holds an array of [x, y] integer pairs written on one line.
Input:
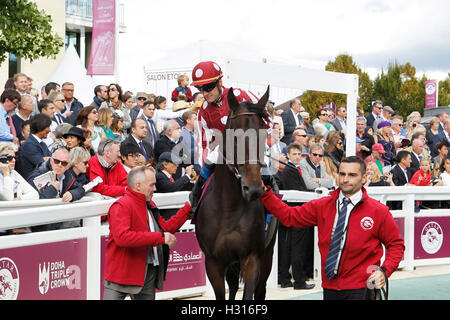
{"points": [[286, 81], [71, 69]]}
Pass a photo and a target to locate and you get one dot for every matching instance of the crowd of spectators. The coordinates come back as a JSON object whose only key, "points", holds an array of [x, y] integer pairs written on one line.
{"points": [[52, 146]]}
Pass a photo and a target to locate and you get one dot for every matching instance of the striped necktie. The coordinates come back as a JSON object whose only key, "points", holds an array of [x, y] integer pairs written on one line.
{"points": [[333, 252]]}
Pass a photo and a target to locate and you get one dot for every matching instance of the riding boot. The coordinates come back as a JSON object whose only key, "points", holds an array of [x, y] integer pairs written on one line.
{"points": [[196, 192]]}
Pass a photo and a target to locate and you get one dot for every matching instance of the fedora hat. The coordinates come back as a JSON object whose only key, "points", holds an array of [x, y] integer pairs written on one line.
{"points": [[75, 131]]}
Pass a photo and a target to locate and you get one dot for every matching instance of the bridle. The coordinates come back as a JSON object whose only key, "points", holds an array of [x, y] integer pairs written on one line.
{"points": [[234, 167]]}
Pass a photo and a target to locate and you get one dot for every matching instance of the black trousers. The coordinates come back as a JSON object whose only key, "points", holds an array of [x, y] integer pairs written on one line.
{"points": [[294, 249], [354, 294]]}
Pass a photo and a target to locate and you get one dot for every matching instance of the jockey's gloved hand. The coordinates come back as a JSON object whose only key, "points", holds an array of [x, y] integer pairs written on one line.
{"points": [[266, 179], [270, 181]]}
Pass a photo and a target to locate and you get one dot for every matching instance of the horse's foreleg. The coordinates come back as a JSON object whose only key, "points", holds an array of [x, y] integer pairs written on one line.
{"points": [[266, 267], [250, 268], [232, 277], [216, 276]]}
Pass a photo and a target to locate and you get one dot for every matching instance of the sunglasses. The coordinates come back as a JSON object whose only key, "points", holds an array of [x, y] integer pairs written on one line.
{"points": [[6, 159], [142, 98], [112, 89], [207, 87], [63, 163], [94, 111], [317, 155], [301, 135]]}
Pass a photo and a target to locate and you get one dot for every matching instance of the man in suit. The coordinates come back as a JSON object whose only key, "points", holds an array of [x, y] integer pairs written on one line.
{"points": [[400, 173], [165, 181], [61, 115], [314, 174], [71, 104], [26, 108], [171, 137], [148, 111], [294, 244], [137, 137], [377, 107], [34, 151], [291, 120], [63, 184], [340, 122], [443, 116], [417, 151], [141, 98], [8, 102]]}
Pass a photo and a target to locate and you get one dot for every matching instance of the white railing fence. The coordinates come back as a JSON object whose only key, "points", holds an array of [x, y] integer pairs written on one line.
{"points": [[415, 228]]}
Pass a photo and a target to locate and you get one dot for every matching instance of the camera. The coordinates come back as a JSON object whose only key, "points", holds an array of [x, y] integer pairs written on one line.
{"points": [[383, 178]]}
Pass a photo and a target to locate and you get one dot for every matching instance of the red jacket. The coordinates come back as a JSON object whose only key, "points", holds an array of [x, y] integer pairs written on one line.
{"points": [[426, 178], [114, 182], [129, 237], [188, 94], [370, 225]]}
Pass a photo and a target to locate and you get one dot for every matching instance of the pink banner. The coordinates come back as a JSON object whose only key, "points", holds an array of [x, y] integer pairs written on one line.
{"points": [[52, 271], [431, 238], [431, 89], [102, 57]]}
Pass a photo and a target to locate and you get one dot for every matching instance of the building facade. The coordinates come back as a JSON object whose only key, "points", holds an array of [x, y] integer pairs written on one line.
{"points": [[72, 21]]}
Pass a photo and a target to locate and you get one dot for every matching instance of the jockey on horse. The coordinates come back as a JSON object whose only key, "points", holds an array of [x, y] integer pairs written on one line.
{"points": [[212, 117]]}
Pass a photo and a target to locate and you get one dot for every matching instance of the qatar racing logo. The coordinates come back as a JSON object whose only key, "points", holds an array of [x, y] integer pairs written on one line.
{"points": [[432, 237], [9, 279], [367, 223]]}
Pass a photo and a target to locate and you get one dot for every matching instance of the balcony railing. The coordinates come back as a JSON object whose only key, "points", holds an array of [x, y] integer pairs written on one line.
{"points": [[83, 9], [79, 8]]}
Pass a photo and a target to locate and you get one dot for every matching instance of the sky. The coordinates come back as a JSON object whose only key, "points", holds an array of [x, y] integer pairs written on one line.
{"points": [[305, 33]]}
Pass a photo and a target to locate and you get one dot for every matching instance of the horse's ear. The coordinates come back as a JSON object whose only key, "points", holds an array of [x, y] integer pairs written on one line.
{"points": [[232, 101], [263, 101]]}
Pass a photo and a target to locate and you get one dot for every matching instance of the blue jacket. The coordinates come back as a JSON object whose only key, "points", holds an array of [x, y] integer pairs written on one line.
{"points": [[32, 155], [68, 184], [76, 106]]}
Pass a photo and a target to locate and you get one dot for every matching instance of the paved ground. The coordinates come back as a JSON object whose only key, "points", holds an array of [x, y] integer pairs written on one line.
{"points": [[424, 283]]}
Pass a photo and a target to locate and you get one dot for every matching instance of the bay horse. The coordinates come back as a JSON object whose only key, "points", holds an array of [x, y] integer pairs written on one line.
{"points": [[230, 219]]}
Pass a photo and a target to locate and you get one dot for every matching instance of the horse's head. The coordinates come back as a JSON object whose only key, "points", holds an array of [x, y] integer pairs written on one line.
{"points": [[245, 138]]}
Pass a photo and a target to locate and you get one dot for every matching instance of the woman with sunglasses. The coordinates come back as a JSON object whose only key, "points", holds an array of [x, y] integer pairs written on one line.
{"points": [[334, 150], [12, 185], [116, 102], [88, 118], [321, 124], [79, 158]]}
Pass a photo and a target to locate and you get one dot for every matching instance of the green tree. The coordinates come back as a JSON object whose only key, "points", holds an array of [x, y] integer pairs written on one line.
{"points": [[312, 100], [444, 92], [26, 32], [400, 89]]}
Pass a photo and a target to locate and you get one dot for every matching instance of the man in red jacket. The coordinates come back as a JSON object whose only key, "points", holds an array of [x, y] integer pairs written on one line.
{"points": [[106, 164], [352, 227], [136, 255]]}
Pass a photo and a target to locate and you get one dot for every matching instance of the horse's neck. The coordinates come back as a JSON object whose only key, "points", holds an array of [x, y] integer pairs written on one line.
{"points": [[226, 180]]}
